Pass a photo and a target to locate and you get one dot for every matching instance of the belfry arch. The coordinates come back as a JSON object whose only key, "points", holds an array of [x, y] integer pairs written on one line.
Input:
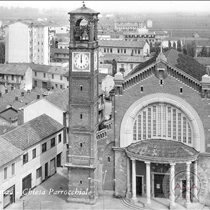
{"points": [[126, 130]]}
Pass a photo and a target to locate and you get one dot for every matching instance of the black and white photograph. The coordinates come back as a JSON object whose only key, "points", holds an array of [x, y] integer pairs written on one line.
{"points": [[105, 105]]}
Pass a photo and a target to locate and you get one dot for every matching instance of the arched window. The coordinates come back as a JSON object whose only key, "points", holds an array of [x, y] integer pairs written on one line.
{"points": [[162, 121]]}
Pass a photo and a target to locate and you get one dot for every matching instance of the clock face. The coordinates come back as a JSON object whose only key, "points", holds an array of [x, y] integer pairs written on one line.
{"points": [[95, 60], [81, 61]]}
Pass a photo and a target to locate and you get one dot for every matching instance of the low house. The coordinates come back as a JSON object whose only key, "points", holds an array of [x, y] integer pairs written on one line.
{"points": [[139, 48], [46, 77], [56, 106], [124, 63], [17, 75], [10, 171], [40, 144]]}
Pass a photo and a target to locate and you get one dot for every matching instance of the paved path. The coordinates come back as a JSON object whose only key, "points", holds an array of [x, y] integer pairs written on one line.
{"points": [[44, 199]]}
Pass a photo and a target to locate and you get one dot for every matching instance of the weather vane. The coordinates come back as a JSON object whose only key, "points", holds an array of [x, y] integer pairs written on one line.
{"points": [[83, 4]]}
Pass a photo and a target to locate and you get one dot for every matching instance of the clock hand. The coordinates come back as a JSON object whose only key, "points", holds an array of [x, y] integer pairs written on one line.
{"points": [[80, 58]]}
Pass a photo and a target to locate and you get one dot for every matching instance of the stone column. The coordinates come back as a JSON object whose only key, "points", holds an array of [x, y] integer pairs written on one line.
{"points": [[195, 184], [148, 202], [128, 193], [172, 187], [134, 180], [188, 203]]}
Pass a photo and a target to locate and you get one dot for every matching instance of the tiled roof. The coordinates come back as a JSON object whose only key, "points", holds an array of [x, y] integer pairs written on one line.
{"points": [[9, 114], [8, 152], [56, 50], [84, 10], [101, 76], [39, 67], [162, 150], [14, 69], [32, 132], [15, 99], [60, 99], [172, 56], [58, 70], [121, 43], [186, 63], [143, 65], [203, 60], [125, 58]]}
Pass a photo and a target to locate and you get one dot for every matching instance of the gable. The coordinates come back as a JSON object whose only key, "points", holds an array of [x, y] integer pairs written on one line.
{"points": [[161, 70]]}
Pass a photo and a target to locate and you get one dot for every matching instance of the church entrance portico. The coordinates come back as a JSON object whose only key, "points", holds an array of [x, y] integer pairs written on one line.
{"points": [[161, 177]]}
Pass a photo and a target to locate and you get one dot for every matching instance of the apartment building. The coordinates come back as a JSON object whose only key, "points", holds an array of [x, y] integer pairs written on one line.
{"points": [[26, 42], [16, 75], [45, 76], [32, 159]]}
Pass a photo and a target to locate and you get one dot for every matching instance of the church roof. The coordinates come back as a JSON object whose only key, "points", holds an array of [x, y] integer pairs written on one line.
{"points": [[178, 60], [83, 10], [162, 151]]}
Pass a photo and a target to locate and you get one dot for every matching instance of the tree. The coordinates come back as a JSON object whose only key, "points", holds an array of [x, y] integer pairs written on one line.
{"points": [[203, 52], [179, 46], [185, 50], [151, 46], [174, 45], [169, 44], [2, 52], [191, 49]]}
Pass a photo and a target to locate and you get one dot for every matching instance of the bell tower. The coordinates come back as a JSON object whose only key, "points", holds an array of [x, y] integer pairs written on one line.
{"points": [[83, 106]]}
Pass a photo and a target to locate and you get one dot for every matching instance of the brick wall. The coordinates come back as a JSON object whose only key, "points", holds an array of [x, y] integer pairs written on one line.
{"points": [[171, 86]]}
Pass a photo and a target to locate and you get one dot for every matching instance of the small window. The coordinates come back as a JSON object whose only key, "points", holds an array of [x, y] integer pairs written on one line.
{"points": [[21, 77], [56, 85], [25, 158], [13, 169], [39, 173], [80, 181], [61, 77], [52, 142], [118, 50], [44, 74], [12, 77], [109, 159], [142, 88], [5, 173], [35, 73], [161, 82], [80, 116], [44, 147], [34, 153], [52, 76], [181, 90], [81, 87], [81, 145], [61, 86], [59, 138]]}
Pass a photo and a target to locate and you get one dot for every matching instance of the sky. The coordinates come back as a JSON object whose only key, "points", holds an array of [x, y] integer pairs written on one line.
{"points": [[118, 6]]}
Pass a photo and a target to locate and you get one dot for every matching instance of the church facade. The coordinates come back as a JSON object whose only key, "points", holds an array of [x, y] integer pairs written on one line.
{"points": [[161, 123], [157, 141]]}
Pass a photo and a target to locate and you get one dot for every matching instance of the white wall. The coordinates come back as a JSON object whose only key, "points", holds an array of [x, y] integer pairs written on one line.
{"points": [[28, 79], [40, 107], [41, 159], [11, 179], [18, 43]]}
